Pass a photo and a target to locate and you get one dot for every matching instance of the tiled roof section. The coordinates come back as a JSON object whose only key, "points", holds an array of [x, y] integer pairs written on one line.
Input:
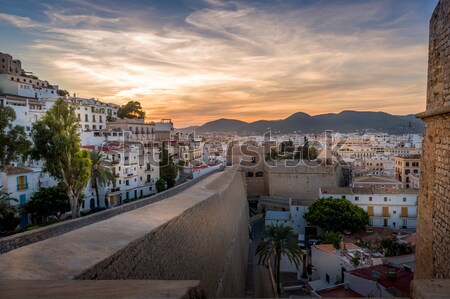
{"points": [[374, 179], [329, 248], [410, 239], [401, 282], [336, 190], [17, 170], [368, 190], [339, 292]]}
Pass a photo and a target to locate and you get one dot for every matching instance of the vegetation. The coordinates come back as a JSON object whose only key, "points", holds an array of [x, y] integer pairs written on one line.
{"points": [[8, 213], [273, 153], [132, 109], [13, 139], [101, 172], [63, 93], [277, 243], [161, 185], [47, 202], [392, 247], [355, 261], [306, 152], [334, 238], [168, 170], [57, 143], [336, 215]]}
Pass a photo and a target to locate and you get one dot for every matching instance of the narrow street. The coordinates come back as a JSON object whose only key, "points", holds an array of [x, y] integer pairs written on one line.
{"points": [[259, 284]]}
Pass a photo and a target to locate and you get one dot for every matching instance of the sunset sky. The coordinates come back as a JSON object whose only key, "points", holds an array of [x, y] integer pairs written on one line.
{"points": [[196, 61]]}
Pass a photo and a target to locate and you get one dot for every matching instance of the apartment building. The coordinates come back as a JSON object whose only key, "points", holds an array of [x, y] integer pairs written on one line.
{"points": [[387, 207], [93, 114], [404, 165]]}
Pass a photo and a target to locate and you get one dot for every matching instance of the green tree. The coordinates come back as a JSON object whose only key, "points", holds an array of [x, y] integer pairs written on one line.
{"points": [[390, 246], [101, 172], [355, 261], [336, 215], [278, 243], [273, 153], [57, 143], [47, 202], [334, 238], [13, 139], [168, 170], [160, 185], [132, 109], [63, 92], [8, 213]]}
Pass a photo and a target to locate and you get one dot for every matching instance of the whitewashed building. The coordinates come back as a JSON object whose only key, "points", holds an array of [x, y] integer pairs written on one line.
{"points": [[395, 208]]}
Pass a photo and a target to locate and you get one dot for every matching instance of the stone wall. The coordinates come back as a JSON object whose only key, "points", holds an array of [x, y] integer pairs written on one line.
{"points": [[301, 181], [433, 231], [40, 234], [199, 234]]}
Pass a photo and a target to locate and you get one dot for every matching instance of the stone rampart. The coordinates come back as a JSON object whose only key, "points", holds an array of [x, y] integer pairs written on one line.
{"points": [[433, 229], [40, 234], [199, 234]]}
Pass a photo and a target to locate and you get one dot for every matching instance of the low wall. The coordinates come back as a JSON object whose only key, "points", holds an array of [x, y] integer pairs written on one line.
{"points": [[199, 234], [26, 238]]}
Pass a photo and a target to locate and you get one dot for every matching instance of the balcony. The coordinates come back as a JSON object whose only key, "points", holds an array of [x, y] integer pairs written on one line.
{"points": [[22, 186], [407, 216], [384, 215]]}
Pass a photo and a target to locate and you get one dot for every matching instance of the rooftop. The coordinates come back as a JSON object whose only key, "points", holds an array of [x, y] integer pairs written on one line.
{"points": [[400, 283], [371, 190], [338, 292], [329, 248], [375, 179], [17, 170]]}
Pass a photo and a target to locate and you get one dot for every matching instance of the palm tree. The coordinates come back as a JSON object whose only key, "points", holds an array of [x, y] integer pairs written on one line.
{"points": [[276, 244], [101, 171]]}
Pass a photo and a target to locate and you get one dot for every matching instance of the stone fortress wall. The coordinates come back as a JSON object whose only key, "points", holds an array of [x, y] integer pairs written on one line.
{"points": [[200, 234], [433, 232]]}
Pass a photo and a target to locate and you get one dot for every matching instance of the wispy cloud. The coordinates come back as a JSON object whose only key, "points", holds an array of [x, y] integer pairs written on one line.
{"points": [[236, 59]]}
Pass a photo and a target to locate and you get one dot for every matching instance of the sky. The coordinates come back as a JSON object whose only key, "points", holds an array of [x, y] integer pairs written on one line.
{"points": [[199, 60]]}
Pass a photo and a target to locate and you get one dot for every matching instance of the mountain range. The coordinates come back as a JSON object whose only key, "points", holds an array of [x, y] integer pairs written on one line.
{"points": [[344, 122]]}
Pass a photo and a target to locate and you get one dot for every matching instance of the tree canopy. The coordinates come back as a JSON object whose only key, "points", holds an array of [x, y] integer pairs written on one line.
{"points": [[168, 170], [58, 144], [13, 139], [336, 215], [47, 202], [132, 109], [8, 213]]}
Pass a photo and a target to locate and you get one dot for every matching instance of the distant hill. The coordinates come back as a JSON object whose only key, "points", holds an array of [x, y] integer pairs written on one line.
{"points": [[345, 121], [187, 129]]}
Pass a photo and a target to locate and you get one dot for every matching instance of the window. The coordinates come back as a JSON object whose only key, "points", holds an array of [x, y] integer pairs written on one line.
{"points": [[370, 198], [22, 182], [127, 182], [356, 198], [249, 174], [86, 118], [343, 197], [327, 278], [404, 199], [385, 199], [407, 164]]}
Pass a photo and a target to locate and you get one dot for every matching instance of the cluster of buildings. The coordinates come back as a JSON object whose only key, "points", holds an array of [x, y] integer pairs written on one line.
{"points": [[131, 145]]}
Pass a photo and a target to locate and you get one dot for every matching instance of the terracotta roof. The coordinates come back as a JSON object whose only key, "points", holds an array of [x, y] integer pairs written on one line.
{"points": [[17, 170], [329, 248], [401, 282], [339, 292], [367, 190], [410, 239]]}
